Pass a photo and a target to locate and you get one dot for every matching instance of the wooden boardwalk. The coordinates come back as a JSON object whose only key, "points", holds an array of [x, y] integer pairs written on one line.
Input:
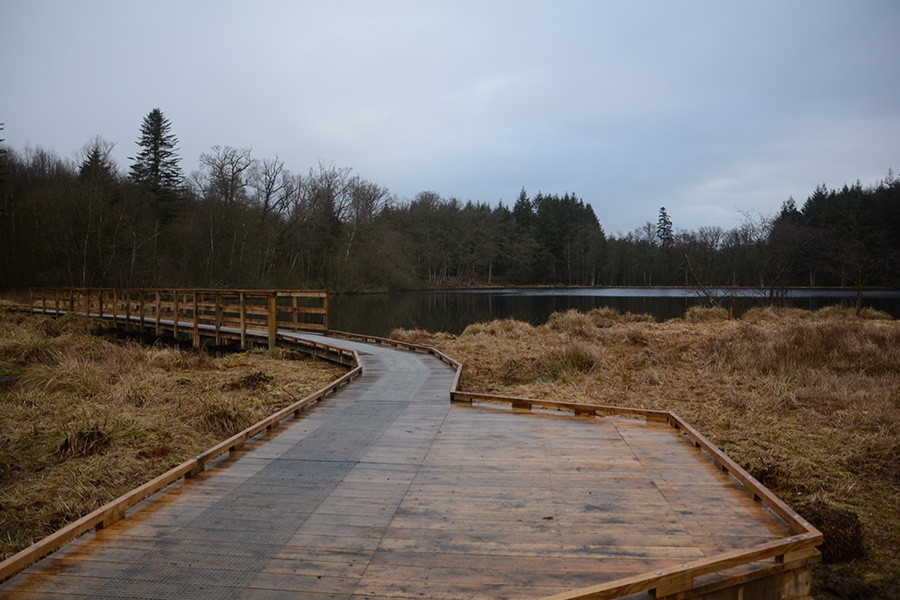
{"points": [[387, 490]]}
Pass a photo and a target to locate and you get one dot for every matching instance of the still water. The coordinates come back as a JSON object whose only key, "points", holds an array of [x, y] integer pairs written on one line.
{"points": [[452, 311]]}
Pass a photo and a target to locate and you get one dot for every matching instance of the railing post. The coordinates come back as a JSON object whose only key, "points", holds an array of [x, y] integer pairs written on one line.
{"points": [[176, 294], [218, 318], [273, 324], [243, 321], [294, 311], [56, 297], [100, 302], [158, 312], [325, 316], [127, 298], [141, 309], [196, 322], [115, 307]]}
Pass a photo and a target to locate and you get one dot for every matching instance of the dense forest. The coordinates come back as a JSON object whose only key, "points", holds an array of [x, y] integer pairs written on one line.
{"points": [[241, 221]]}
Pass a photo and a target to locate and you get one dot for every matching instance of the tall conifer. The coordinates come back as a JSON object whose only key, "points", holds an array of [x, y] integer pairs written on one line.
{"points": [[156, 165]]}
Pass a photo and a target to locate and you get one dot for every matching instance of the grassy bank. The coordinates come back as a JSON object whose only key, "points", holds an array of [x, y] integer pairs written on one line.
{"points": [[809, 403], [85, 418]]}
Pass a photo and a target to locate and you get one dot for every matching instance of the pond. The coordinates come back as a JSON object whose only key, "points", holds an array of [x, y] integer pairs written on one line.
{"points": [[453, 310]]}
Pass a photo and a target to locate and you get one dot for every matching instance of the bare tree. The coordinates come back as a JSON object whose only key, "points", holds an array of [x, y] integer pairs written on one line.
{"points": [[223, 175]]}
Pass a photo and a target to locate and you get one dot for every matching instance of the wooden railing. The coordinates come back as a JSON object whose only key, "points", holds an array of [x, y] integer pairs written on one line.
{"points": [[796, 550], [222, 314]]}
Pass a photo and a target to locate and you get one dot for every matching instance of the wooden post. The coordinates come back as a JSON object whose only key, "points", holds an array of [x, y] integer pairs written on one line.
{"points": [[158, 311], [100, 303], [175, 295], [31, 298], [273, 324], [56, 297], [294, 311], [141, 308], [325, 316], [115, 307], [127, 298], [196, 322], [243, 321], [218, 318], [44, 302]]}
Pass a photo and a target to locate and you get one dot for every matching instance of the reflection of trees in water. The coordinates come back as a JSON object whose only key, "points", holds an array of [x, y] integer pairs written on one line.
{"points": [[378, 314]]}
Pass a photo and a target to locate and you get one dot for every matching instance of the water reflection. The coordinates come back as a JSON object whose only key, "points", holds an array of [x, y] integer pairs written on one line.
{"points": [[452, 311]]}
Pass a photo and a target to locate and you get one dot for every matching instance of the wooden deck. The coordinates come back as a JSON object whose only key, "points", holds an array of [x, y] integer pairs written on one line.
{"points": [[388, 490]]}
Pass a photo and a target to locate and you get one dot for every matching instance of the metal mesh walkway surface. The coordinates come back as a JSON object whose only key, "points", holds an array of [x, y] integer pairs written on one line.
{"points": [[386, 490]]}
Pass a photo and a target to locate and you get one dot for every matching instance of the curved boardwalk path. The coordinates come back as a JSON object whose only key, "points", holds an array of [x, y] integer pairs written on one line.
{"points": [[386, 490]]}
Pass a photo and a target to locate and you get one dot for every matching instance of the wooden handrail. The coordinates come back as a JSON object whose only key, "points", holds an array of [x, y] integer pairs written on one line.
{"points": [[192, 308]]}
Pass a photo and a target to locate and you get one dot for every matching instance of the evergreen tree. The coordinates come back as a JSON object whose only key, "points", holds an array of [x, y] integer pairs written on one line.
{"points": [[664, 229], [523, 210], [97, 167], [2, 159], [156, 164]]}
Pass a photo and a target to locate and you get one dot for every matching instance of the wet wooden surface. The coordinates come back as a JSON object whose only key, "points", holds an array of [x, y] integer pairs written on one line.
{"points": [[386, 490]]}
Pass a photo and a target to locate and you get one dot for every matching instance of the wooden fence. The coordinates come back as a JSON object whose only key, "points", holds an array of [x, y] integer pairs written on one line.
{"points": [[221, 314]]}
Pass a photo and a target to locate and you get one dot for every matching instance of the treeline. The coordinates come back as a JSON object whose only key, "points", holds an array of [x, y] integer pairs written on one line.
{"points": [[241, 221]]}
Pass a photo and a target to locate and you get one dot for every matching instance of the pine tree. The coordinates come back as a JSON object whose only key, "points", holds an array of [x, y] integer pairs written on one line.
{"points": [[156, 164], [2, 158], [97, 167], [664, 229]]}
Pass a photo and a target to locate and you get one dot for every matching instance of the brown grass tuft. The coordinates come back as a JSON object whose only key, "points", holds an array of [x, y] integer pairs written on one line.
{"points": [[641, 318], [605, 316], [506, 327], [575, 357], [838, 311], [412, 336], [573, 322], [775, 314], [705, 314]]}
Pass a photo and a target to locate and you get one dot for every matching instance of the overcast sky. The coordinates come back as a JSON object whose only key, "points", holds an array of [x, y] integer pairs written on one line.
{"points": [[705, 107]]}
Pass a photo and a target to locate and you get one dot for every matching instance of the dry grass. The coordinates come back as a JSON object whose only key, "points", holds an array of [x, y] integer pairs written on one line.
{"points": [[85, 418], [808, 402]]}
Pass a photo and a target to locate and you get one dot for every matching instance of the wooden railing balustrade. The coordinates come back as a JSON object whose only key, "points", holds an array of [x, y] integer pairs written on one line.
{"points": [[219, 313]]}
